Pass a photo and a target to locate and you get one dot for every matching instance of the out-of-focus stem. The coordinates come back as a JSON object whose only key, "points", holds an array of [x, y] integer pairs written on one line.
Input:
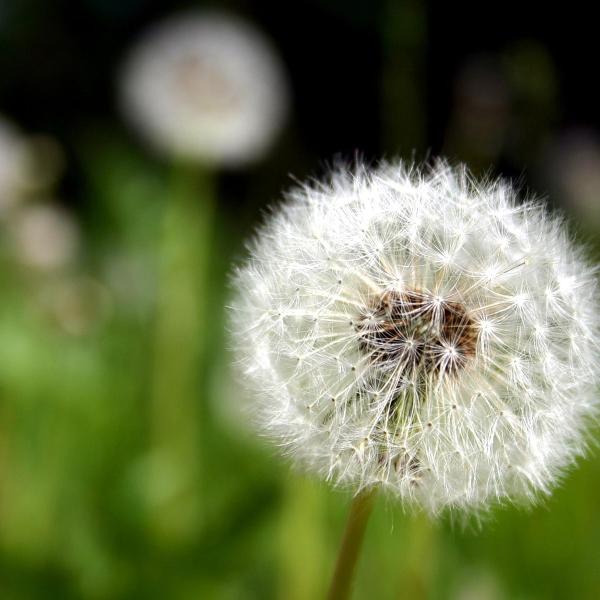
{"points": [[360, 510], [420, 559], [182, 290]]}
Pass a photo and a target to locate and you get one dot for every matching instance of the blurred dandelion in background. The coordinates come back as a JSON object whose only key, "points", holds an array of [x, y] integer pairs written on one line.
{"points": [[28, 164], [45, 237], [206, 87]]}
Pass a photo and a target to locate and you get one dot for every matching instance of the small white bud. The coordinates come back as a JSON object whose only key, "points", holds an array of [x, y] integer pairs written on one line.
{"points": [[205, 86]]}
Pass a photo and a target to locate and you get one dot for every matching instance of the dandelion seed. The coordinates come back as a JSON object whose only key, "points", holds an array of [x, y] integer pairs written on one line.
{"points": [[205, 86], [456, 384]]}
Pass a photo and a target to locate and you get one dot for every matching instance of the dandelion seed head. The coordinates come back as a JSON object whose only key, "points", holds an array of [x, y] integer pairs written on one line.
{"points": [[205, 86], [420, 331]]}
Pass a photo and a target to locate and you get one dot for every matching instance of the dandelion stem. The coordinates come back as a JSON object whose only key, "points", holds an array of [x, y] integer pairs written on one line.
{"points": [[183, 262], [360, 510]]}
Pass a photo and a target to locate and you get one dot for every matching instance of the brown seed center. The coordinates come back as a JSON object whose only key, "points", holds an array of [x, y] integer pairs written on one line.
{"points": [[417, 332]]}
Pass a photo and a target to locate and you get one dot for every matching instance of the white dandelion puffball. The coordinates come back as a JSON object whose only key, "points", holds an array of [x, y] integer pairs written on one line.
{"points": [[419, 331], [205, 86]]}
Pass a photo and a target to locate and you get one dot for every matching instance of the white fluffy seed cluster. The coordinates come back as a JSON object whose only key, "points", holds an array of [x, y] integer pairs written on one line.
{"points": [[420, 331], [205, 86]]}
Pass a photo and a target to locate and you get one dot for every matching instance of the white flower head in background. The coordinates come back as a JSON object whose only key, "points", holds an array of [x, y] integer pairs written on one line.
{"points": [[417, 330], [27, 164], [205, 86], [45, 237]]}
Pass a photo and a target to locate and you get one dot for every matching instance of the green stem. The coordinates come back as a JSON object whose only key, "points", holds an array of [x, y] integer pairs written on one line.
{"points": [[302, 562], [360, 510], [182, 283]]}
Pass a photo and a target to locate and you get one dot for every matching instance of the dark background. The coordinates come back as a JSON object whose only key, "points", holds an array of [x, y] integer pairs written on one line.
{"points": [[377, 78]]}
